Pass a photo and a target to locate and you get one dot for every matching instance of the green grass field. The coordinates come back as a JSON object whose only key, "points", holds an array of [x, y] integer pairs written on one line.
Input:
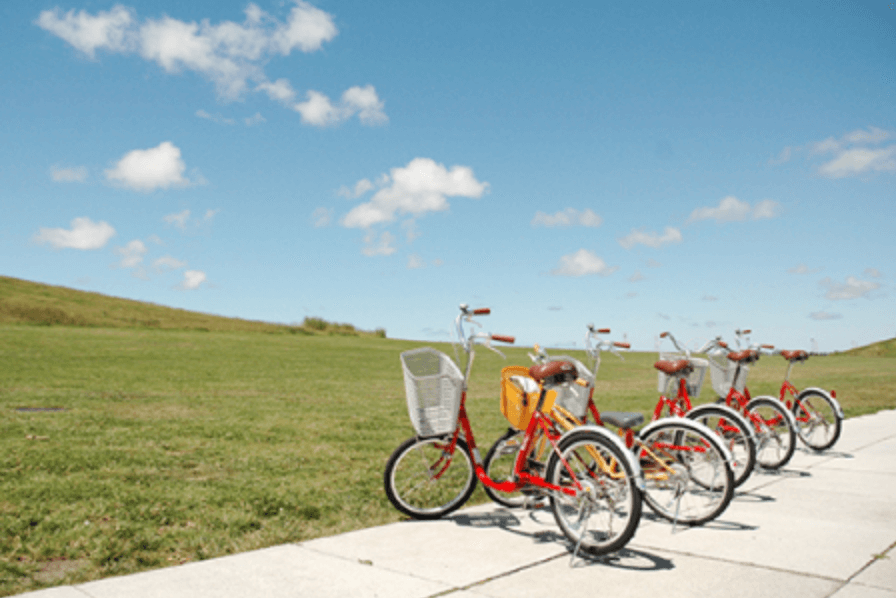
{"points": [[125, 448]]}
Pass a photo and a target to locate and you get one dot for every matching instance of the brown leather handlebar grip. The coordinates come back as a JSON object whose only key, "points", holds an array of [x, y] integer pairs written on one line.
{"points": [[603, 331], [664, 334], [723, 344], [482, 311], [623, 345], [747, 331], [768, 346], [504, 338]]}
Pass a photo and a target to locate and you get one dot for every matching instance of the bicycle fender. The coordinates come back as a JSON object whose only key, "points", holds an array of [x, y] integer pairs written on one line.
{"points": [[813, 389], [694, 426], [791, 421], [626, 452], [732, 414]]}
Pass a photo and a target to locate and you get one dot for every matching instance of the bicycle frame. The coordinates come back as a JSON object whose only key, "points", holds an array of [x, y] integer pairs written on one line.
{"points": [[538, 421]]}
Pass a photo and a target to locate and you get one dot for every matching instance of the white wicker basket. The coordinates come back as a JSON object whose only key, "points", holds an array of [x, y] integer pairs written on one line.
{"points": [[433, 386], [572, 397], [722, 371], [694, 380]]}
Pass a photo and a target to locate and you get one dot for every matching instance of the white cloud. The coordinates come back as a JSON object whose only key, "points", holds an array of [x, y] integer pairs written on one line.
{"points": [[280, 90], [322, 217], [639, 237], [731, 209], [853, 288], [192, 279], [229, 54], [855, 154], [131, 254], [307, 29], [415, 262], [859, 160], [568, 217], [872, 136], [112, 30], [77, 174], [823, 315], [873, 272], [255, 119], [710, 298], [179, 220], [783, 157], [169, 263], [360, 188], [420, 187], [158, 167], [378, 246], [802, 269], [636, 277], [217, 118], [319, 111], [582, 263], [84, 234]]}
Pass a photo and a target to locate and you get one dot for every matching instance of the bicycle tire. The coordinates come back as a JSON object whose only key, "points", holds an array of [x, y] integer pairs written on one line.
{"points": [[421, 484], [499, 466], [687, 476], [591, 520], [814, 411], [735, 433], [775, 434]]}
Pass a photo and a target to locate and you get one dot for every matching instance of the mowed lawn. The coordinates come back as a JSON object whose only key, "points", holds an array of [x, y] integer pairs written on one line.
{"points": [[129, 449]]}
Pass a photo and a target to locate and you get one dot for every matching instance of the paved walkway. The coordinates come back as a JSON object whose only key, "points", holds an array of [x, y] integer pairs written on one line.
{"points": [[823, 527]]}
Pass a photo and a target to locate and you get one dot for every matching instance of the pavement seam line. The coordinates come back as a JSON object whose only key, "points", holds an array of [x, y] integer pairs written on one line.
{"points": [[502, 575], [873, 560], [744, 564], [451, 589]]}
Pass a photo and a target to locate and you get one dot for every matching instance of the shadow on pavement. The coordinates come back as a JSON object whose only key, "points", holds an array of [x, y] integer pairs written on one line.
{"points": [[626, 559]]}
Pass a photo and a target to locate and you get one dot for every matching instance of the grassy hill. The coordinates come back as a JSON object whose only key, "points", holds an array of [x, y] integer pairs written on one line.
{"points": [[132, 439], [24, 302], [885, 348]]}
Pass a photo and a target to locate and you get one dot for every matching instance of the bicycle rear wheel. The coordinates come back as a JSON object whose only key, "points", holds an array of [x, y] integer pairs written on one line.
{"points": [[423, 480], [606, 509], [687, 476], [818, 423], [775, 436], [735, 434]]}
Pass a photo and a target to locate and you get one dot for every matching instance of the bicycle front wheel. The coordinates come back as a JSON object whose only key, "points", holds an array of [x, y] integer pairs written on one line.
{"points": [[775, 437], [735, 433], [605, 511], [425, 481], [817, 420], [687, 476], [499, 466]]}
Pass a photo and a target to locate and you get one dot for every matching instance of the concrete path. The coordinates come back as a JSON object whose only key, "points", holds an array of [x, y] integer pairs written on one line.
{"points": [[823, 527]]}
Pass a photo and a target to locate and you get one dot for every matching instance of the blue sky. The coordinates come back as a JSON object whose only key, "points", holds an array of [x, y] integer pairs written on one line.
{"points": [[687, 166]]}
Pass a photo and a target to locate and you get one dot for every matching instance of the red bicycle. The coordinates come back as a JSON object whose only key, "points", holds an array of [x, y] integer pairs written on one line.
{"points": [[817, 412], [680, 379], [687, 472], [593, 482], [773, 424]]}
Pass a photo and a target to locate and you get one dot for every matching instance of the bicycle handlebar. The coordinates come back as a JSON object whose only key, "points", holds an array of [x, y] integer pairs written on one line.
{"points": [[503, 338], [675, 342]]}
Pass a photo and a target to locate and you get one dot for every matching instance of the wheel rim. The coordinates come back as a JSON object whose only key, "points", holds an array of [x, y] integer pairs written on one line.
{"points": [[426, 480], [603, 508], [686, 477]]}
